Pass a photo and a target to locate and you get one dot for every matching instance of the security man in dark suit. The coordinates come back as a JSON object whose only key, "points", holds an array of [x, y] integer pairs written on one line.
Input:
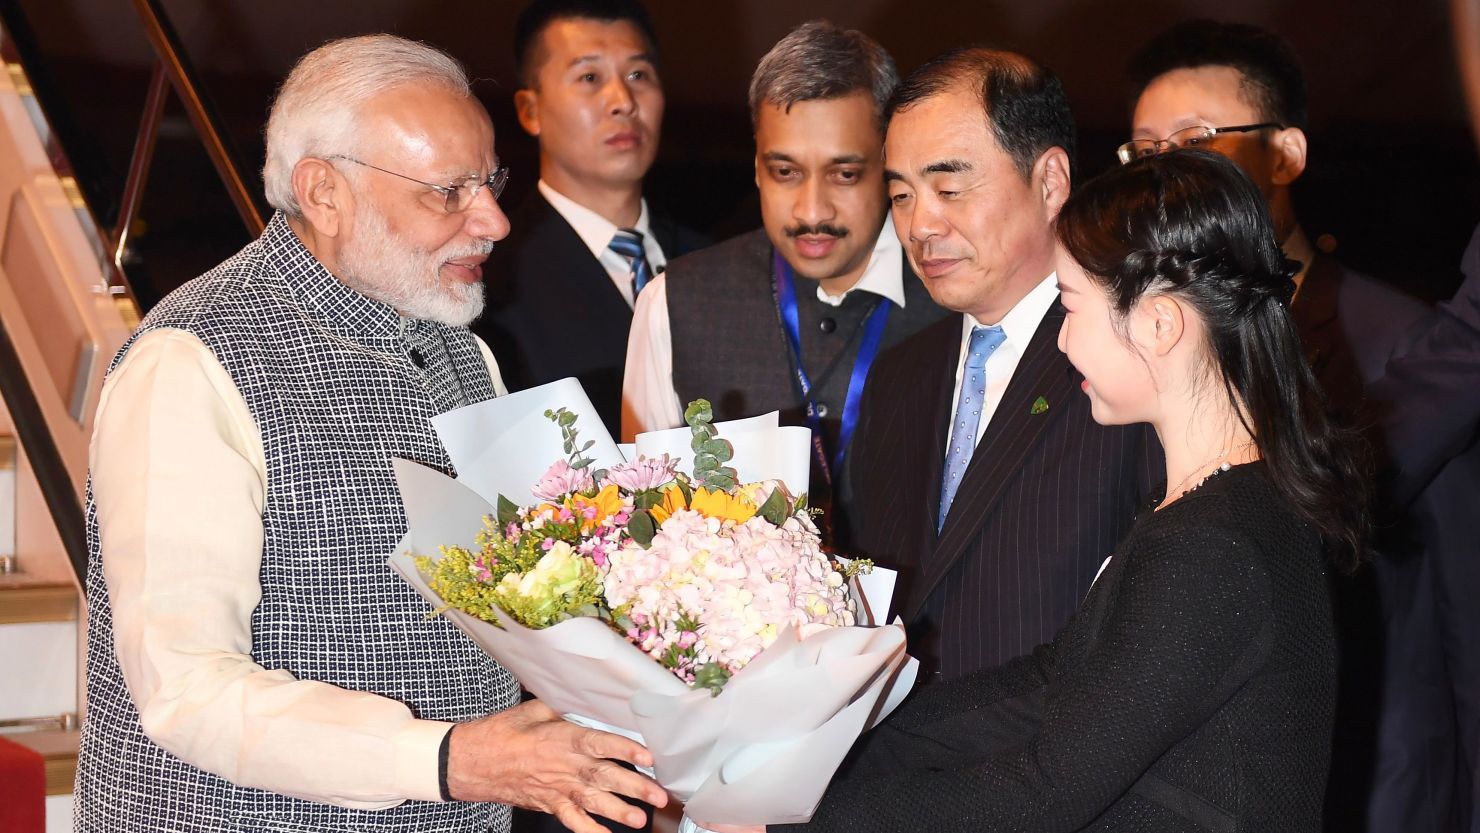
{"points": [[584, 243], [1408, 721], [978, 469]]}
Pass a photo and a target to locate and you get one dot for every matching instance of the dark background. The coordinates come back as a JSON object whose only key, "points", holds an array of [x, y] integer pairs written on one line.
{"points": [[1392, 177]]}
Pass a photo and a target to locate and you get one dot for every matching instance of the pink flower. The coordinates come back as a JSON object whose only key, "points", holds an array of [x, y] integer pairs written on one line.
{"points": [[560, 480], [643, 473]]}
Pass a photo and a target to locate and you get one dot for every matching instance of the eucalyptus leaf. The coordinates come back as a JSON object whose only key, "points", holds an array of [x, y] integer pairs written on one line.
{"points": [[698, 411], [713, 676], [773, 508], [642, 529], [508, 511]]}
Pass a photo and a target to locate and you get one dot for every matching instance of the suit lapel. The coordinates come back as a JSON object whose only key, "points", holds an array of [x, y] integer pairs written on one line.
{"points": [[577, 266], [1009, 438], [937, 407]]}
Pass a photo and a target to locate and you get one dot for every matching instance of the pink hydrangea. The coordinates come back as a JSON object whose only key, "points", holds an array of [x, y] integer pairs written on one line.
{"points": [[742, 582]]}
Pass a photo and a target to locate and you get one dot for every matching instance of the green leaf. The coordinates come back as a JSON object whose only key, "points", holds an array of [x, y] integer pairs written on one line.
{"points": [[704, 462], [642, 529], [688, 491], [508, 511], [713, 676], [698, 411], [722, 479], [646, 499], [721, 449], [801, 503], [774, 508]]}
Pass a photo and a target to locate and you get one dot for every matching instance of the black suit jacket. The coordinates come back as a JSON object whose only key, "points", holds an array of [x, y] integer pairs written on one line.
{"points": [[554, 312], [1428, 399], [1410, 648], [1044, 501]]}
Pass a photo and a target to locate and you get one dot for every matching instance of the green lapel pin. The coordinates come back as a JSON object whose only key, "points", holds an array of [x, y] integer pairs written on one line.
{"points": [[1040, 406]]}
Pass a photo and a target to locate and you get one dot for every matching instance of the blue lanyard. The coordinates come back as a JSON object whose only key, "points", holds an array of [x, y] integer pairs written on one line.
{"points": [[868, 350]]}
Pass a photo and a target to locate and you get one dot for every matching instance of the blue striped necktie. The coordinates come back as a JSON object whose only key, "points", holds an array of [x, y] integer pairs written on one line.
{"points": [[628, 243], [968, 414]]}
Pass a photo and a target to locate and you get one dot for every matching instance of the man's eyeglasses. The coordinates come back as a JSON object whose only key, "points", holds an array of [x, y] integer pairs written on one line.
{"points": [[458, 195], [1187, 137]]}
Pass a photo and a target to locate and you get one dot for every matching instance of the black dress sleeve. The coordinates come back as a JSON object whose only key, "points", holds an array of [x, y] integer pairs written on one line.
{"points": [[1187, 619]]}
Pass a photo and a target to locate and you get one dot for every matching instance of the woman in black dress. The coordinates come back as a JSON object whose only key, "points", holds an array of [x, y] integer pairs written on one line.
{"points": [[1193, 690]]}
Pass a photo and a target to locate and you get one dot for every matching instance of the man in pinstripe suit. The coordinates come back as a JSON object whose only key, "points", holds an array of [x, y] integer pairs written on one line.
{"points": [[978, 469]]}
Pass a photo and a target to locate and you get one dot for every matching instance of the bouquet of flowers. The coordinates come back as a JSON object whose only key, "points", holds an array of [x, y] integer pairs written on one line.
{"points": [[686, 606], [700, 573]]}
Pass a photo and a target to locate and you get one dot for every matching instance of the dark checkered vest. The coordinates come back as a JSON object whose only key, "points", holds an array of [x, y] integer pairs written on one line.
{"points": [[338, 385], [729, 347]]}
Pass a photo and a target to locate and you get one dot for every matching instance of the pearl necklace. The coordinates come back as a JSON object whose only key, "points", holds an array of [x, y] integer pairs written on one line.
{"points": [[1222, 466]]}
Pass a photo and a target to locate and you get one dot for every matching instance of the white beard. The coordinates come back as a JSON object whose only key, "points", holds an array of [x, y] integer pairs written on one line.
{"points": [[381, 266]]}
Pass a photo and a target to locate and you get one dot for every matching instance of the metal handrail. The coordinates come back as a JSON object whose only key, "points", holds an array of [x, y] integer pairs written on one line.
{"points": [[46, 459], [183, 78]]}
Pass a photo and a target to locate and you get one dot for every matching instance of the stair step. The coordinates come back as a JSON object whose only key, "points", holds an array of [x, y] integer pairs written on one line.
{"points": [[59, 751], [22, 602]]}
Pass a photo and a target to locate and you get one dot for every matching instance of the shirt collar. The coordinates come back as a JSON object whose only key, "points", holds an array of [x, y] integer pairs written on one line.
{"points": [[884, 274], [1021, 322], [594, 230]]}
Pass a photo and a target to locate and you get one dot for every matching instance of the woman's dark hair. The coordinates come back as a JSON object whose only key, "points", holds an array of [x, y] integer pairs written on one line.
{"points": [[1190, 225]]}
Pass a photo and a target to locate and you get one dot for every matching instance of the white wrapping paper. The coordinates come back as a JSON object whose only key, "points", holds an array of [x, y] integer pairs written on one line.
{"points": [[763, 750]]}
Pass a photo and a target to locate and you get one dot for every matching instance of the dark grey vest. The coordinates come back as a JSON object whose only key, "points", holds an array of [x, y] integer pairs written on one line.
{"points": [[729, 347], [337, 385]]}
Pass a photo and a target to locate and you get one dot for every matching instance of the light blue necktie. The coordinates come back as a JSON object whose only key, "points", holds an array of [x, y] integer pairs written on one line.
{"points": [[628, 244], [968, 414]]}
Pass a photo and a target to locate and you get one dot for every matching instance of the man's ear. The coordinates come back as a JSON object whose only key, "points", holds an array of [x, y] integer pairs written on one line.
{"points": [[527, 106], [1051, 176], [321, 194], [1289, 155]]}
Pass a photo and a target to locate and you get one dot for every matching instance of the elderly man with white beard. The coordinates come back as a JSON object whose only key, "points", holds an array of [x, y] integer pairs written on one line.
{"points": [[253, 663]]}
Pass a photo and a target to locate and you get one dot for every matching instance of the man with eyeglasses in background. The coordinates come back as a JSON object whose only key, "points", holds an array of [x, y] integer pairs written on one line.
{"points": [[584, 243], [1407, 727], [253, 663]]}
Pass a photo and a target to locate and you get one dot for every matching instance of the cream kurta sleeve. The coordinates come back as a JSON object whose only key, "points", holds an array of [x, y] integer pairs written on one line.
{"points": [[649, 402], [178, 481]]}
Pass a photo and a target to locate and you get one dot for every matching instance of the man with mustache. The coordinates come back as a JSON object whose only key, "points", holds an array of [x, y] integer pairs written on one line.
{"points": [[253, 663], [584, 243], [790, 317], [977, 465]]}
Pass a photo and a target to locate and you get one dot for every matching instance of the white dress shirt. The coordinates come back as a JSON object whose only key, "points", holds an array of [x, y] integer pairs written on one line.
{"points": [[179, 481], [1018, 325], [597, 232], [649, 402]]}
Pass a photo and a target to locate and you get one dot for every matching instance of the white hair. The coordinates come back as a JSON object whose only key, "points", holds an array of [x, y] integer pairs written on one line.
{"points": [[317, 110]]}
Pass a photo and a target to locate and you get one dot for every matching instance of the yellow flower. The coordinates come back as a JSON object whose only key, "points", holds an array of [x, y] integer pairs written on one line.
{"points": [[672, 502], [606, 502], [723, 505]]}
